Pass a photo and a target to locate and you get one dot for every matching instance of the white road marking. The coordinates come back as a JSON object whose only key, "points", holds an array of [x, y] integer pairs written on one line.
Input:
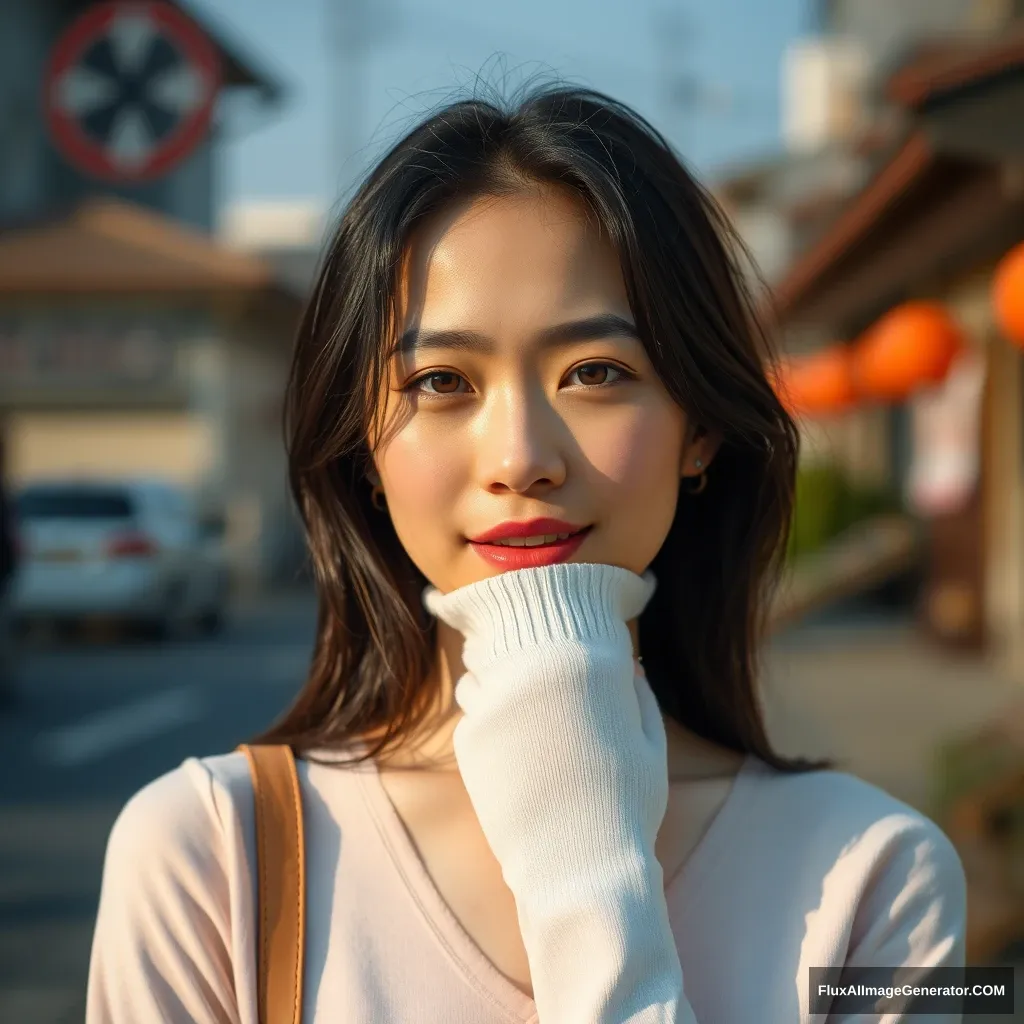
{"points": [[100, 734]]}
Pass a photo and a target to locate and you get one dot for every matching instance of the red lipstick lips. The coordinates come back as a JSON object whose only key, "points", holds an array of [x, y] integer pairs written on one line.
{"points": [[525, 557]]}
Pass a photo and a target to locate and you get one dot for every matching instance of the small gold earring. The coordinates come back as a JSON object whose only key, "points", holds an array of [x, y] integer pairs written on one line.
{"points": [[377, 498]]}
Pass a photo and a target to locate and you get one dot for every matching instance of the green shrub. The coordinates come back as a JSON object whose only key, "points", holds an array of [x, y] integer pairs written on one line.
{"points": [[819, 496], [827, 504]]}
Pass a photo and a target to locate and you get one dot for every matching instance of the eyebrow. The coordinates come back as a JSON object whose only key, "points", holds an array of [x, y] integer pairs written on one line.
{"points": [[604, 325]]}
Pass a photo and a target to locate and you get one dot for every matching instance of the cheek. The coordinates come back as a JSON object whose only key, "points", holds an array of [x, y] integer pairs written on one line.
{"points": [[636, 469], [422, 480], [639, 454], [416, 464]]}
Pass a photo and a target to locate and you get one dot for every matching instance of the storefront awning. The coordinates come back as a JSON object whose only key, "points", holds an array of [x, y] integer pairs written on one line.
{"points": [[111, 246], [945, 169]]}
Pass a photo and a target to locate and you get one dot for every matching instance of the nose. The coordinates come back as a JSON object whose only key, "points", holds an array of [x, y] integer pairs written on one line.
{"points": [[522, 443]]}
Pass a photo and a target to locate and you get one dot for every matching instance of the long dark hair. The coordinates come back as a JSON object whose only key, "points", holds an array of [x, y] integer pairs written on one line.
{"points": [[683, 267]]}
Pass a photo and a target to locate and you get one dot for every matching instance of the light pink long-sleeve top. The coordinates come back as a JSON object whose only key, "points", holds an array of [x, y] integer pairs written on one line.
{"points": [[795, 871]]}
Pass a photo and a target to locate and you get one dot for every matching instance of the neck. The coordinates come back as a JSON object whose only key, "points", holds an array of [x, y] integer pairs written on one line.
{"points": [[431, 748]]}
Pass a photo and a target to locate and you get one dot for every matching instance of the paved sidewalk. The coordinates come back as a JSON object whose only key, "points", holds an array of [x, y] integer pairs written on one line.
{"points": [[871, 693]]}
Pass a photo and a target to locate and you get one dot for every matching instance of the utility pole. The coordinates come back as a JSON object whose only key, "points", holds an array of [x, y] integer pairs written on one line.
{"points": [[678, 88], [350, 35], [682, 91]]}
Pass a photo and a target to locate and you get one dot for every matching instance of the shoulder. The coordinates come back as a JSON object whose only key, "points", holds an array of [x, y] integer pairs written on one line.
{"points": [[826, 808], [173, 926], [189, 817], [884, 860], [835, 800], [205, 809]]}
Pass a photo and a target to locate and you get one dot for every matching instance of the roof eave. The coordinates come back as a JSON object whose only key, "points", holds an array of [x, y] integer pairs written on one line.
{"points": [[913, 158], [240, 69]]}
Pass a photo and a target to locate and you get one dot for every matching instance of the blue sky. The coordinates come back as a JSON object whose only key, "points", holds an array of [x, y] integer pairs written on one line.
{"points": [[422, 52]]}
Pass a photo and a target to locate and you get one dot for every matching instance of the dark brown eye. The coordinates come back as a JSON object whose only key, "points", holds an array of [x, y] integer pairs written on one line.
{"points": [[442, 383], [593, 373], [596, 374]]}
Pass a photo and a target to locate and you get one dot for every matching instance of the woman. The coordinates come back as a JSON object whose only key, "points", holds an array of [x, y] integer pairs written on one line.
{"points": [[546, 485]]}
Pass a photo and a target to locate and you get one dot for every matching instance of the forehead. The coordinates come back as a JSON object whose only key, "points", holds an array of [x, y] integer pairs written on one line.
{"points": [[510, 258]]}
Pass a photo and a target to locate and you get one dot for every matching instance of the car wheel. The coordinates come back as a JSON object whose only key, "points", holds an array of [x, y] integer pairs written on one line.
{"points": [[211, 622], [165, 624], [154, 630]]}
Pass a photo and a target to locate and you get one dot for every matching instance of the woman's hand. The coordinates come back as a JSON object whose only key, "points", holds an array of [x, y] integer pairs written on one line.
{"points": [[572, 743], [552, 686], [563, 753]]}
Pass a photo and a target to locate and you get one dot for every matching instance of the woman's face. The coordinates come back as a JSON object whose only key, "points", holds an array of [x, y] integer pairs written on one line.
{"points": [[503, 412]]}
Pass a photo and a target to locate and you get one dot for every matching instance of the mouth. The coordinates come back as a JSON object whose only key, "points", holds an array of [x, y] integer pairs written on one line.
{"points": [[539, 540], [533, 550]]}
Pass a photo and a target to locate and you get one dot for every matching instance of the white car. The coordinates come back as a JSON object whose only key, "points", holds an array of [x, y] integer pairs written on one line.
{"points": [[135, 550]]}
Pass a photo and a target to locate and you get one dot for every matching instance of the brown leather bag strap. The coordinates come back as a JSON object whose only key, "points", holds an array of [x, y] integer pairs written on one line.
{"points": [[281, 869]]}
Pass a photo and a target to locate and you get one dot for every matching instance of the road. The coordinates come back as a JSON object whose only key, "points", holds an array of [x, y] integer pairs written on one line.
{"points": [[95, 721]]}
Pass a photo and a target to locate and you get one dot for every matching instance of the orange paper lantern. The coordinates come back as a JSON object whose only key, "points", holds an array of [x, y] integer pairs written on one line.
{"points": [[911, 347], [820, 384], [1008, 295]]}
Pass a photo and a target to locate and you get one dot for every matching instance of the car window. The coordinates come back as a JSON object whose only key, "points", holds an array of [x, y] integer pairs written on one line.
{"points": [[177, 504], [74, 503], [171, 503]]}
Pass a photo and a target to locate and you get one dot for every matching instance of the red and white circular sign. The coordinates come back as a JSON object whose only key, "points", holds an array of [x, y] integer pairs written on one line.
{"points": [[130, 88]]}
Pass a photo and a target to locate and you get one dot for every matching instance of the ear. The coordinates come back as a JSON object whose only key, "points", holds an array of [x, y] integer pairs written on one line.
{"points": [[701, 447], [374, 477]]}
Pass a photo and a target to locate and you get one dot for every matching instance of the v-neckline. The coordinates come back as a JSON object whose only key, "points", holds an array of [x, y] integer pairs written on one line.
{"points": [[479, 971]]}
